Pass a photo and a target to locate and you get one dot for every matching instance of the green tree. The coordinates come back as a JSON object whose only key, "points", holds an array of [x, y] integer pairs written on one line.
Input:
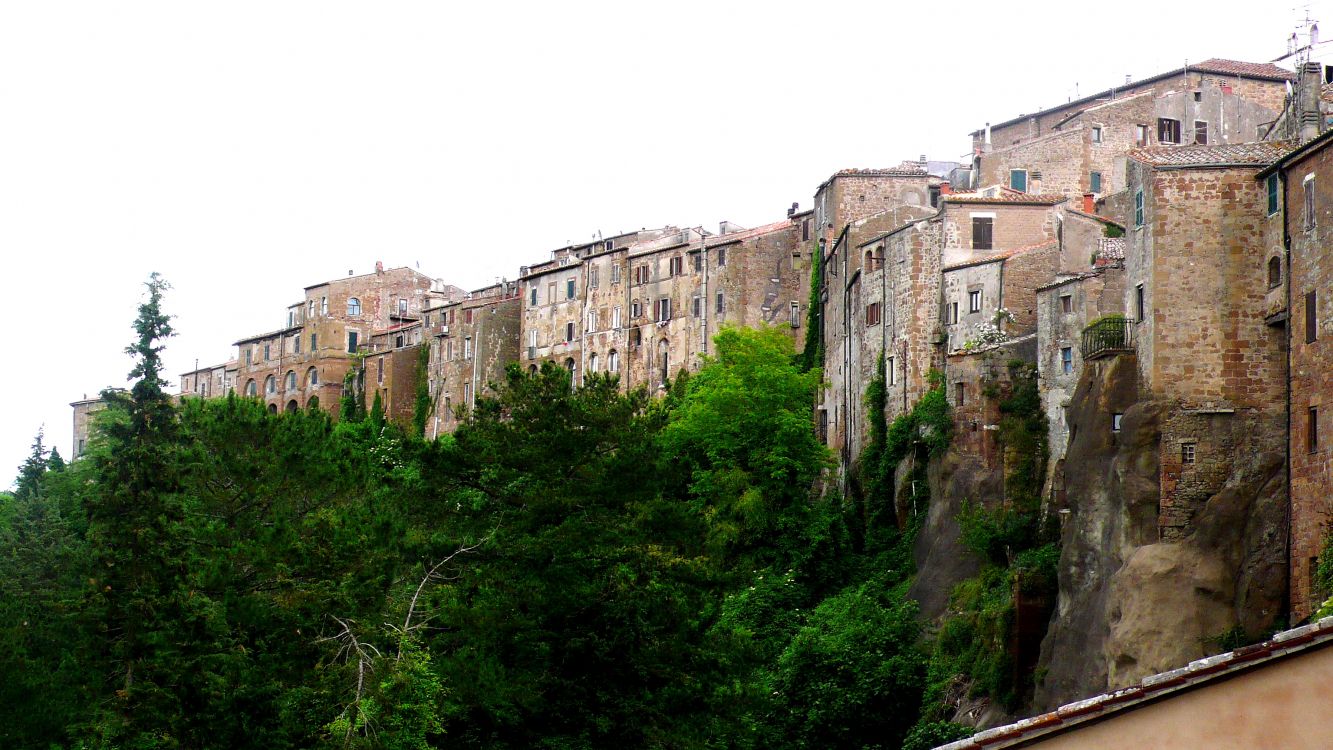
{"points": [[812, 355], [32, 470]]}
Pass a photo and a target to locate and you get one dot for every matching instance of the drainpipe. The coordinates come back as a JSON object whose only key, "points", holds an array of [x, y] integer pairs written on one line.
{"points": [[1286, 251], [476, 357], [703, 301]]}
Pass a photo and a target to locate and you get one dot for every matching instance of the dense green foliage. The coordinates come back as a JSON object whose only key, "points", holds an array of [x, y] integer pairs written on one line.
{"points": [[812, 355], [572, 568]]}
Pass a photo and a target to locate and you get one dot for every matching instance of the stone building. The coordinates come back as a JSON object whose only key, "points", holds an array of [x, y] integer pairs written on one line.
{"points": [[1294, 196], [209, 382], [472, 340], [85, 410], [389, 369], [303, 364], [1079, 147]]}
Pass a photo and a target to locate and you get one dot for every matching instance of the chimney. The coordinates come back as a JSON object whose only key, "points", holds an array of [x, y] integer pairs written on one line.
{"points": [[923, 158], [1089, 206], [1307, 101], [946, 188], [379, 267], [792, 211]]}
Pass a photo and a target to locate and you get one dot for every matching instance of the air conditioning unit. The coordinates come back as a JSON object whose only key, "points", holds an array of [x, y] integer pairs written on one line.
{"points": [[444, 330]]}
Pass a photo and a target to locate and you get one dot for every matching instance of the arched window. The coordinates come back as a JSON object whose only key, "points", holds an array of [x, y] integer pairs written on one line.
{"points": [[292, 406], [664, 361], [613, 362], [272, 408], [592, 363], [291, 381], [353, 306], [532, 369], [270, 385], [312, 377], [250, 388], [1274, 273], [569, 365]]}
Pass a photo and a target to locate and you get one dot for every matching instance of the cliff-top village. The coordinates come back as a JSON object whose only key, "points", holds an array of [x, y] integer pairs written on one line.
{"points": [[1154, 252]]}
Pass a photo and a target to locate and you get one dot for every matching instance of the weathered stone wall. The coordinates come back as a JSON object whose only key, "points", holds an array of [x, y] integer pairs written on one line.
{"points": [[472, 341], [1055, 163]]}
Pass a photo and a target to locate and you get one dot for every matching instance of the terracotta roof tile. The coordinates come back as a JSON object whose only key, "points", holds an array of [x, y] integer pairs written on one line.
{"points": [[1240, 68], [1008, 196], [746, 234], [992, 257], [1258, 153]]}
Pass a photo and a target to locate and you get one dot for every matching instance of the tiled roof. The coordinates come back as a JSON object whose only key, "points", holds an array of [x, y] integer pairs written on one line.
{"points": [[1008, 196], [1195, 674], [992, 257], [746, 234], [906, 169], [1259, 154], [1247, 69]]}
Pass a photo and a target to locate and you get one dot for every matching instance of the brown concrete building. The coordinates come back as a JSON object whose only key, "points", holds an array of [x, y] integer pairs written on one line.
{"points": [[1197, 295], [472, 341], [1079, 147]]}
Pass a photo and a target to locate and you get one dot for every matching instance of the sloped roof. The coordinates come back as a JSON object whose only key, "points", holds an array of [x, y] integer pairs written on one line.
{"points": [[1260, 153], [1267, 71], [994, 257], [745, 234], [1193, 675], [1008, 196]]}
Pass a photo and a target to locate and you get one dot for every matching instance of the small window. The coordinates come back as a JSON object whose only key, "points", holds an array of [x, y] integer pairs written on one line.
{"points": [[1168, 130], [635, 309], [612, 361], [313, 341], [1138, 208], [1140, 307], [1198, 96], [270, 385], [805, 231], [959, 393], [592, 321], [1018, 179], [664, 309], [934, 192], [592, 363], [249, 357], [952, 316], [1311, 317], [615, 273], [1096, 133], [1188, 453], [592, 277], [569, 333], [467, 316], [795, 315], [1272, 184], [698, 262], [890, 372], [1066, 304], [1308, 187], [532, 295], [351, 341], [323, 305], [721, 303], [676, 265], [721, 257], [1201, 132], [379, 370], [569, 288], [353, 306], [615, 318], [250, 388], [1274, 273], [1140, 135], [1095, 182], [266, 351], [974, 301], [398, 342], [1116, 419], [402, 306], [310, 309], [635, 336], [312, 377], [1312, 429], [296, 344], [872, 314], [696, 306], [982, 230], [1067, 360]]}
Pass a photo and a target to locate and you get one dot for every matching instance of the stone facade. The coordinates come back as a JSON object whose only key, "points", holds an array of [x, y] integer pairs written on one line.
{"points": [[472, 341], [207, 382], [84, 412], [390, 370]]}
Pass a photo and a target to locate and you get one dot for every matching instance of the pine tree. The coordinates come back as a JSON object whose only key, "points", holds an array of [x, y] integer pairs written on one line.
{"points": [[29, 482]]}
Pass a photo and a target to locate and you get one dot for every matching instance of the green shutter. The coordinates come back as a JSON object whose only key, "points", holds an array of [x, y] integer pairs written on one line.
{"points": [[1272, 194], [1018, 179]]}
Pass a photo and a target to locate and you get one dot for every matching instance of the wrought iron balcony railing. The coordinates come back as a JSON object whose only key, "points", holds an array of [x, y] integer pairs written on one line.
{"points": [[1107, 337]]}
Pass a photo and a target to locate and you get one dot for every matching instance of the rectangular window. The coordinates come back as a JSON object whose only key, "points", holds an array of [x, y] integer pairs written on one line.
{"points": [[890, 372], [1272, 194], [974, 301], [467, 316], [351, 341], [697, 306], [640, 275], [449, 348], [1308, 187], [1096, 133], [1168, 130], [615, 318], [1201, 132], [1140, 309], [982, 232], [698, 262], [569, 333], [805, 230], [592, 321], [379, 370], [592, 277], [721, 257], [1067, 360], [664, 309], [1138, 208], [1140, 135], [796, 315], [467, 394], [323, 305], [677, 266], [313, 340], [1116, 420], [635, 336], [721, 303], [296, 344], [1018, 179], [1312, 429], [467, 347], [615, 273], [1066, 304], [1095, 182], [635, 310], [550, 292], [953, 313], [934, 191], [1311, 317], [872, 314], [959, 393], [569, 288]]}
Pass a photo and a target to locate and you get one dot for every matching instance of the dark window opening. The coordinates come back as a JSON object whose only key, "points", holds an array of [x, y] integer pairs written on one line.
{"points": [[1201, 132], [1187, 453], [982, 232], [1168, 130], [1312, 429], [1311, 317], [1274, 273]]}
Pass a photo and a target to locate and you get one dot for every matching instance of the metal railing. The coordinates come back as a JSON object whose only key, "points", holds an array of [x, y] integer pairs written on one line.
{"points": [[1107, 337]]}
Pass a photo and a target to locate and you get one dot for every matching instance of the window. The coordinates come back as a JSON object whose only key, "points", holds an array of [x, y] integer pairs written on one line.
{"points": [[467, 316], [1140, 309], [959, 392], [663, 309], [635, 336], [310, 309], [805, 230], [721, 257], [592, 277], [1116, 420], [313, 340], [532, 343], [698, 262], [291, 318], [890, 372], [1311, 317], [266, 351], [592, 363], [721, 307], [1138, 208], [952, 316], [641, 274], [592, 321], [872, 314], [467, 346], [615, 273], [615, 318], [312, 377], [402, 306], [676, 265], [532, 295], [974, 301], [398, 342], [353, 306], [696, 306], [1271, 184], [550, 292], [663, 362], [351, 341], [270, 385], [612, 361], [1200, 132], [379, 371], [934, 193], [1188, 453], [250, 389], [467, 394], [569, 288], [982, 232], [449, 347], [1198, 96], [1312, 429], [1168, 130], [1018, 179], [569, 332], [1067, 360], [291, 380], [796, 315], [296, 344], [1274, 273], [1095, 182], [635, 309], [323, 305], [1096, 133], [1066, 304], [1308, 187], [1140, 135]]}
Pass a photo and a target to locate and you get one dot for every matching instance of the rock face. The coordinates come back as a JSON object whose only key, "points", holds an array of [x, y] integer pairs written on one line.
{"points": [[1130, 604], [942, 561]]}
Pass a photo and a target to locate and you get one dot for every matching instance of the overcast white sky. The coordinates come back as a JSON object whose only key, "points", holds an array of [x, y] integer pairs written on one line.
{"points": [[248, 149]]}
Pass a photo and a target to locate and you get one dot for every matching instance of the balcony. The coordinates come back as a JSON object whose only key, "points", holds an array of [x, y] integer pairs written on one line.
{"points": [[1107, 337]]}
